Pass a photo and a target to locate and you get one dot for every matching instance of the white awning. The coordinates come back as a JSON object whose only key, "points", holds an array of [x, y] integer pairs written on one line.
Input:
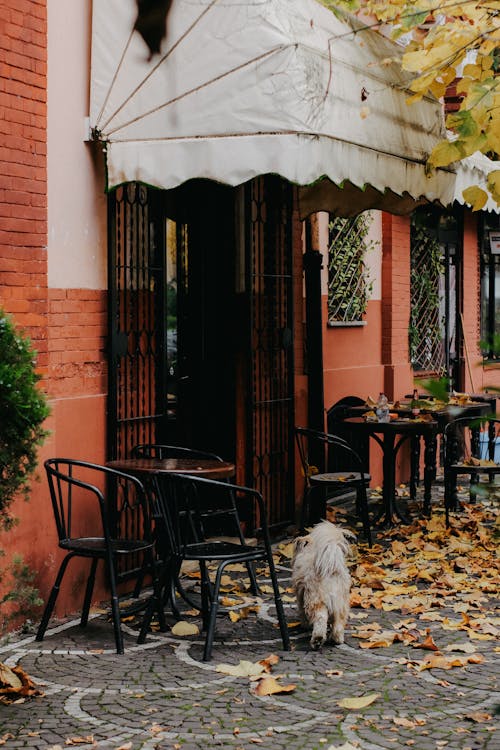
{"points": [[251, 87]]}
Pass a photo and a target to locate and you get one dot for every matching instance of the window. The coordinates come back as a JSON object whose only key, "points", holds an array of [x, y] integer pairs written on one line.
{"points": [[490, 285], [435, 252], [348, 280]]}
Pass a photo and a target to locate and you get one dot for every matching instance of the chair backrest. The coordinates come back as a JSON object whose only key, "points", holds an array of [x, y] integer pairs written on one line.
{"points": [[157, 450], [347, 456], [190, 504], [467, 438], [359, 442], [90, 500]]}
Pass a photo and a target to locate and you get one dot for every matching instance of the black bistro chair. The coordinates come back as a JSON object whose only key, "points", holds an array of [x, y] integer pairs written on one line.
{"points": [[471, 448], [92, 526], [160, 450], [202, 500], [320, 485]]}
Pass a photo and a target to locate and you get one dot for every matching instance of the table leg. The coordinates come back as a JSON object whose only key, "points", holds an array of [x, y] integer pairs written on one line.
{"points": [[415, 466], [453, 454], [429, 469], [385, 519]]}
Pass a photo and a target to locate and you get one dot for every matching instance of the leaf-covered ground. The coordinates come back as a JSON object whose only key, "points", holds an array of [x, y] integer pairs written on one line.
{"points": [[419, 667]]}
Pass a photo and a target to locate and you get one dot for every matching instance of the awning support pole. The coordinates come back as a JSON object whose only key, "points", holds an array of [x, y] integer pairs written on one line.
{"points": [[314, 353]]}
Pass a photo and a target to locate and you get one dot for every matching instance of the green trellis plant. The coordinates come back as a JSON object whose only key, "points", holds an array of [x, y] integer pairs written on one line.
{"points": [[349, 285]]}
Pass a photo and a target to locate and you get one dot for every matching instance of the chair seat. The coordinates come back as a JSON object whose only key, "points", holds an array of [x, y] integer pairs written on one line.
{"points": [[97, 545], [340, 477], [460, 468], [222, 550]]}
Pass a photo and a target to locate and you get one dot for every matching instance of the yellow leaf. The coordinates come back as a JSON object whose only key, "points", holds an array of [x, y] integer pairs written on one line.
{"points": [[376, 644], [407, 723], [445, 153], [242, 613], [472, 71], [269, 661], [479, 716], [438, 89], [242, 669], [494, 184], [427, 644], [436, 661], [422, 83], [89, 740], [8, 679], [361, 702], [475, 197], [185, 628], [287, 550], [423, 59], [269, 686], [236, 568], [467, 648], [479, 636]]}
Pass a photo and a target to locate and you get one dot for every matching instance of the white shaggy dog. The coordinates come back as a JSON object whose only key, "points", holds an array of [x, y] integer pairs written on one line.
{"points": [[322, 581]]}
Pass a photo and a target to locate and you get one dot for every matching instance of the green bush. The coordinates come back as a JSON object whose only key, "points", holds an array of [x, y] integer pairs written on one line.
{"points": [[23, 409]]}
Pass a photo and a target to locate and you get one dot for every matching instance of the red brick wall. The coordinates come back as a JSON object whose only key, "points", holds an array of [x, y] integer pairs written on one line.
{"points": [[395, 304], [23, 168], [77, 340]]}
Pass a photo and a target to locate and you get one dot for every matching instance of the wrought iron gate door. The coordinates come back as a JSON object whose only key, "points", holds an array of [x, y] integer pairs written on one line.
{"points": [[137, 407], [270, 417]]}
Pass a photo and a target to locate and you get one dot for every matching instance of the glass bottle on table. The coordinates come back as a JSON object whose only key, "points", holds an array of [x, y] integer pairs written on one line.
{"points": [[382, 408], [415, 403]]}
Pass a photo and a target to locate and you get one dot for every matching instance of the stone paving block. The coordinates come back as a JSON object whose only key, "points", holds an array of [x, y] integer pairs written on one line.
{"points": [[162, 696]]}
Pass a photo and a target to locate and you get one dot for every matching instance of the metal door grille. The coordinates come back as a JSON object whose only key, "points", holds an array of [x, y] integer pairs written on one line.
{"points": [[137, 376], [427, 351], [271, 417]]}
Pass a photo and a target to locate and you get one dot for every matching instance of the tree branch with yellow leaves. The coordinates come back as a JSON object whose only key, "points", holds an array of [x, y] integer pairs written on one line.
{"points": [[447, 42]]}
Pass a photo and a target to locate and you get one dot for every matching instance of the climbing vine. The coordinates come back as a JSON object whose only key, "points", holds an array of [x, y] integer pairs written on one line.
{"points": [[425, 327], [349, 285]]}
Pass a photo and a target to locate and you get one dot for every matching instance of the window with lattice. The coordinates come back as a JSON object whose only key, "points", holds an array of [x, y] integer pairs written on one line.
{"points": [[426, 329], [349, 284]]}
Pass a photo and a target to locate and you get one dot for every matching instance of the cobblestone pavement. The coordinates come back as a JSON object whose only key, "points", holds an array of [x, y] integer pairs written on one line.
{"points": [[162, 695]]}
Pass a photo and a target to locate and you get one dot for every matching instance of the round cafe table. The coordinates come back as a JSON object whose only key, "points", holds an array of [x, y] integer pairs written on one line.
{"points": [[391, 436], [153, 472], [155, 467]]}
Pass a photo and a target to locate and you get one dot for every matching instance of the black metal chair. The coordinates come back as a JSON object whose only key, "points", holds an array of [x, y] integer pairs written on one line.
{"points": [[202, 499], [347, 406], [471, 447], [91, 525], [320, 485], [159, 450]]}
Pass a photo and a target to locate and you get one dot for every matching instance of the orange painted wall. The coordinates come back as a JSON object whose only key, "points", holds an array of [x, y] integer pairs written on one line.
{"points": [[76, 384], [364, 360]]}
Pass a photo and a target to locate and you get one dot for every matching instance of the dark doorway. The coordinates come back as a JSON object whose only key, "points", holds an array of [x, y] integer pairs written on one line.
{"points": [[200, 306]]}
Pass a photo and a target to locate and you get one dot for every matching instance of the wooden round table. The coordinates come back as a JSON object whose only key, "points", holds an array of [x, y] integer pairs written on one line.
{"points": [[210, 468]]}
